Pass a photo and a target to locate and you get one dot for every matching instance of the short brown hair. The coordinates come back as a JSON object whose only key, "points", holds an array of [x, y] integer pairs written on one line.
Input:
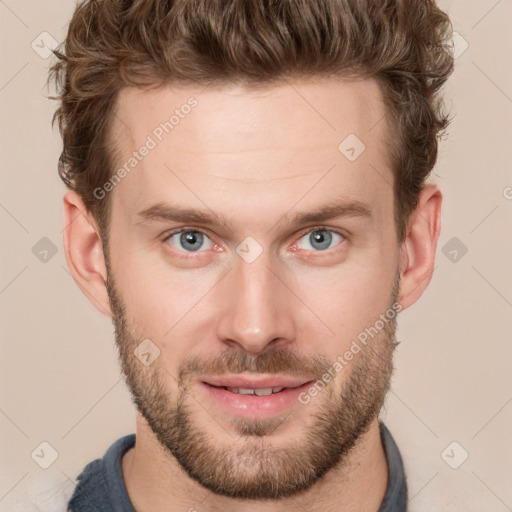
{"points": [[404, 44]]}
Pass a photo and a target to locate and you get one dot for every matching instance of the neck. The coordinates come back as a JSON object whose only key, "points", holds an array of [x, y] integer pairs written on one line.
{"points": [[155, 481]]}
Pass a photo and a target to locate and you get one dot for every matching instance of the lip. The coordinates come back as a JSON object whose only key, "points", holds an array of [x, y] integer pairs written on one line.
{"points": [[253, 406], [238, 381]]}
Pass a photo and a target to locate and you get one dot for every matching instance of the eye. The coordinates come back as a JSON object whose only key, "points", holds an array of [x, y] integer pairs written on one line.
{"points": [[189, 241], [319, 240]]}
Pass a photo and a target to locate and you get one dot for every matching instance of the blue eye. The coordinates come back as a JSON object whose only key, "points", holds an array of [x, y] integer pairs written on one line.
{"points": [[194, 241], [320, 239], [189, 241]]}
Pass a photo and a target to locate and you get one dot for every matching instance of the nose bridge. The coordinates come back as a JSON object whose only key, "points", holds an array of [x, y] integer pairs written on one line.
{"points": [[255, 311]]}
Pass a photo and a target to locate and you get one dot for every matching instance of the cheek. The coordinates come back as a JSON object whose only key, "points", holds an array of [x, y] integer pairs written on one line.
{"points": [[162, 303], [344, 302]]}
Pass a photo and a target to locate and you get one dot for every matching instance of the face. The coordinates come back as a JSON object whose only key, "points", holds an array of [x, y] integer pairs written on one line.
{"points": [[247, 243]]}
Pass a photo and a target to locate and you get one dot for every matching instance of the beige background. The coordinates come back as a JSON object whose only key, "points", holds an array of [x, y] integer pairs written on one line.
{"points": [[60, 381]]}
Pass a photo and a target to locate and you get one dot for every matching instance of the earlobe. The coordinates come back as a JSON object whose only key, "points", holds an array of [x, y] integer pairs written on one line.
{"points": [[417, 254], [84, 252]]}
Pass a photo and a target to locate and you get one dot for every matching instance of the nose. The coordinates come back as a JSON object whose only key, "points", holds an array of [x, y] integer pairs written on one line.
{"points": [[257, 307]]}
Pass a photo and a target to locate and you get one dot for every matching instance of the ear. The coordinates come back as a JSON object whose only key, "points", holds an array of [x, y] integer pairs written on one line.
{"points": [[417, 254], [84, 252]]}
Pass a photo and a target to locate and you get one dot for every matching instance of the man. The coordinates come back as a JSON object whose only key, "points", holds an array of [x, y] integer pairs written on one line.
{"points": [[248, 202]]}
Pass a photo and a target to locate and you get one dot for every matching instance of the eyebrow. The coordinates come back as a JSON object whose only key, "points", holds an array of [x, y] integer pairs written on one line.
{"points": [[166, 212]]}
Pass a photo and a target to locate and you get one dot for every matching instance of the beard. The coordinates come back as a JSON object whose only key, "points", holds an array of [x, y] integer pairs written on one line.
{"points": [[247, 466]]}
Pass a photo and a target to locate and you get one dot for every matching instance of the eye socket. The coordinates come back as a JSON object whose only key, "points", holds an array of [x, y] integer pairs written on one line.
{"points": [[192, 240], [320, 239], [188, 240]]}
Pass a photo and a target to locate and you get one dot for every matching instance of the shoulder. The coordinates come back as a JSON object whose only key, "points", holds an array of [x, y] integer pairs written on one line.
{"points": [[101, 481], [396, 492]]}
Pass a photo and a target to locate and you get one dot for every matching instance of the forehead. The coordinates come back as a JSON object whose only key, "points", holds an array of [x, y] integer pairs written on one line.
{"points": [[316, 112], [232, 143]]}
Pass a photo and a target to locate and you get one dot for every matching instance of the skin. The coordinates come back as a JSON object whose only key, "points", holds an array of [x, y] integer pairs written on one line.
{"points": [[257, 158]]}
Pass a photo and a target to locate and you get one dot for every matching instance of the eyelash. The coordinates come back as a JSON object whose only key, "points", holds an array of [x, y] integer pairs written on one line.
{"points": [[168, 235]]}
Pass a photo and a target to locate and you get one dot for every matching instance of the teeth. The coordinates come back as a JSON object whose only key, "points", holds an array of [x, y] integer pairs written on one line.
{"points": [[244, 391], [263, 392], [258, 392]]}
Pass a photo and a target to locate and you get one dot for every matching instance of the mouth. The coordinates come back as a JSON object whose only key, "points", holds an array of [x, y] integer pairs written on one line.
{"points": [[254, 391], [254, 398], [239, 382], [249, 391]]}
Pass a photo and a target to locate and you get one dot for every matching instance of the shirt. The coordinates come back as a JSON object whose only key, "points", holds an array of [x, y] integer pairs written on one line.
{"points": [[101, 487]]}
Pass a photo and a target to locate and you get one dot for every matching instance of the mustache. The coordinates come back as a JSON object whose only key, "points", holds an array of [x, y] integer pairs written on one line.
{"points": [[277, 361]]}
